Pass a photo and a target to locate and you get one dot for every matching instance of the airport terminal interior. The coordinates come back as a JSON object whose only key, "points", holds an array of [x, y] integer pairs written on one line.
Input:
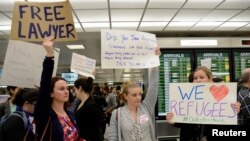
{"points": [[188, 32]]}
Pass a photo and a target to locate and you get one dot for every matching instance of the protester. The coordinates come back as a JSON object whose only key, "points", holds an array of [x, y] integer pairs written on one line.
{"points": [[196, 132], [53, 122], [244, 98], [21, 127], [88, 115], [136, 120], [8, 107]]}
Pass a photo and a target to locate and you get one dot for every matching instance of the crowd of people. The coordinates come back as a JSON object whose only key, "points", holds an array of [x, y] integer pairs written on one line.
{"points": [[46, 114]]}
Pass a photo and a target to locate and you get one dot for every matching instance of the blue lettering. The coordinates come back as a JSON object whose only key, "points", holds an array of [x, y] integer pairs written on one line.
{"points": [[69, 29], [32, 30], [185, 94], [47, 13], [21, 11], [45, 33], [108, 36], [61, 31], [58, 13], [198, 92], [34, 13], [134, 37], [20, 30], [124, 38]]}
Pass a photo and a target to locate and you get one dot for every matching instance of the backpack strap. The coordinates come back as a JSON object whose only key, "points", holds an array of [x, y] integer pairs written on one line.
{"points": [[21, 115]]}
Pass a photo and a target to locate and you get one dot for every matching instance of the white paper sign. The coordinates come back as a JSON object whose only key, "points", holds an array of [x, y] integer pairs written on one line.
{"points": [[203, 103], [82, 65], [3, 98], [128, 49], [23, 64], [206, 63]]}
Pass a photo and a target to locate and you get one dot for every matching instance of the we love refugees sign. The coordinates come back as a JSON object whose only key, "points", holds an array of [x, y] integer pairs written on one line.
{"points": [[32, 21], [203, 103]]}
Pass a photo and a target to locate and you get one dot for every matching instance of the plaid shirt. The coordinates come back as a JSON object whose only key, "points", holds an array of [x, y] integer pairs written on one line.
{"points": [[244, 98]]}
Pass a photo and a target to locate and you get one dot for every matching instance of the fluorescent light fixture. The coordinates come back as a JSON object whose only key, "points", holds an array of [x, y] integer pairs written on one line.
{"points": [[45, 0], [106, 24], [124, 24], [181, 24], [233, 24], [199, 43], [126, 75], [150, 24], [75, 46], [5, 27], [208, 23]]}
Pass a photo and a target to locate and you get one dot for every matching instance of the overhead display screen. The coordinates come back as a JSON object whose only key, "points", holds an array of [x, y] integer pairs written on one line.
{"points": [[174, 68], [241, 61], [218, 62]]}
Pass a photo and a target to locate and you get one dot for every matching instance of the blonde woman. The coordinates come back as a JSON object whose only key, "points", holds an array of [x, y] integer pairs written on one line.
{"points": [[135, 120]]}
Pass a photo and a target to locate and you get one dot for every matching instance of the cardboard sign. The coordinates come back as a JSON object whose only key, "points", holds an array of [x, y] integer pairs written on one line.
{"points": [[203, 103], [128, 49], [32, 21], [23, 64], [83, 65]]}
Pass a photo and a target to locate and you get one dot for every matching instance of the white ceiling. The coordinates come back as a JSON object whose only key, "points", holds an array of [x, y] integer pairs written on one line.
{"points": [[150, 15], [161, 16]]}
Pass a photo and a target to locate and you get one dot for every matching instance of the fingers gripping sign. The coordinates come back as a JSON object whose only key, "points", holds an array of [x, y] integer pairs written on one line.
{"points": [[48, 45]]}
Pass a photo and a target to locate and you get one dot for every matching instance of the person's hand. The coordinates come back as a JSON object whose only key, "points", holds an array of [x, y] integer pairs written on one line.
{"points": [[48, 45], [169, 117], [236, 106], [157, 51]]}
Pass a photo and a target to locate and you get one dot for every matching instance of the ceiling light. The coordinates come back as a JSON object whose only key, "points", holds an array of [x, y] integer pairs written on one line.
{"points": [[124, 24], [234, 24], [126, 75], [75, 46], [5, 27], [199, 43], [208, 23], [152, 24], [181, 24]]}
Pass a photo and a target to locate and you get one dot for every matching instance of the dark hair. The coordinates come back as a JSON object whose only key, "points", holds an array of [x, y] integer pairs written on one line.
{"points": [[53, 82], [26, 94], [118, 88], [191, 76], [85, 83], [11, 88], [97, 89]]}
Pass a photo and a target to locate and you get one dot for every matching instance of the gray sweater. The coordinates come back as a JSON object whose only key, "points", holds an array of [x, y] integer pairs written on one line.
{"points": [[120, 124]]}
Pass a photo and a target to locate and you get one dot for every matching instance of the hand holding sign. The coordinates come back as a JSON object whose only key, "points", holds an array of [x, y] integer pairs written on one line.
{"points": [[48, 45]]}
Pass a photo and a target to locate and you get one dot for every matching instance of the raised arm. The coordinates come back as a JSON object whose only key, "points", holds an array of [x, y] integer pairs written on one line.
{"points": [[42, 108], [151, 96]]}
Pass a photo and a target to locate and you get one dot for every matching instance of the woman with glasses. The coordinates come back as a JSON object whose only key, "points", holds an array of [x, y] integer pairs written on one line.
{"points": [[19, 125]]}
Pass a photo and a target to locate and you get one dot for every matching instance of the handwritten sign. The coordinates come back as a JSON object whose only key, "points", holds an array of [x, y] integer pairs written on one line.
{"points": [[23, 64], [3, 98], [82, 65], [32, 21], [207, 62], [128, 49], [203, 103]]}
